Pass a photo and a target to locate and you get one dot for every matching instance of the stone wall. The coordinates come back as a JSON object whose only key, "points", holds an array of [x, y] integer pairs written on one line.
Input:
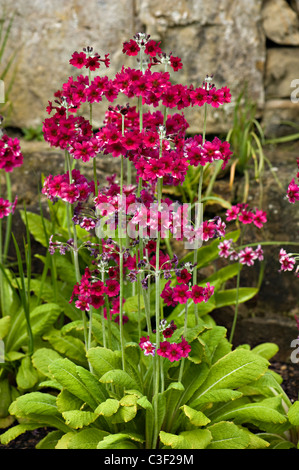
{"points": [[237, 41]]}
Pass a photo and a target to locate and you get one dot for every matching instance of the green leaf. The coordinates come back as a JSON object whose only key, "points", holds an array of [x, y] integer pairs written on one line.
{"points": [[96, 389], [50, 441], [266, 350], [63, 294], [36, 227], [41, 319], [66, 373], [234, 370], [16, 431], [258, 413], [34, 403], [38, 408], [111, 440], [195, 439], [68, 346], [124, 414], [227, 435], [197, 418], [66, 401], [228, 297], [216, 396], [5, 323], [42, 358], [293, 414], [27, 376], [120, 378], [103, 360], [78, 419], [85, 439], [108, 407], [5, 394]]}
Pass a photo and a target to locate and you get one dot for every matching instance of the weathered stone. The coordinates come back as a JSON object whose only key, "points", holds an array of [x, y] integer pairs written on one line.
{"points": [[277, 116], [224, 38], [47, 33], [226, 41], [280, 22], [282, 71]]}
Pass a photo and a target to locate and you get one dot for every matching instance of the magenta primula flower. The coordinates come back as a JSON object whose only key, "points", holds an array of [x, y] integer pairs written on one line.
{"points": [[174, 352], [247, 256], [5, 208], [293, 192], [181, 293], [197, 294], [10, 153], [225, 248], [259, 218], [287, 261], [112, 287]]}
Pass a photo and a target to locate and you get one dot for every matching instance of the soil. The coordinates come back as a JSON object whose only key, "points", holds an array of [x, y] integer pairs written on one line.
{"points": [[290, 384]]}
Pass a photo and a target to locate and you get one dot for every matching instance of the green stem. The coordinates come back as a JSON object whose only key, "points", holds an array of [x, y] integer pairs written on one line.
{"points": [[237, 293], [197, 221], [236, 306], [157, 317], [8, 221], [185, 331]]}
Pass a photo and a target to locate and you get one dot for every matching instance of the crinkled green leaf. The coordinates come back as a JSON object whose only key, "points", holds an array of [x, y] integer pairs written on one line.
{"points": [[293, 414], [50, 440], [27, 375], [42, 358], [103, 360], [234, 370], [66, 373], [120, 378], [226, 435], [197, 418], [194, 439], [113, 439], [85, 439], [108, 407], [78, 419]]}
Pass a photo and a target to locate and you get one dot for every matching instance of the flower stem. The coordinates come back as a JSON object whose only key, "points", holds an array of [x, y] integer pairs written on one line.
{"points": [[185, 331], [236, 306], [198, 215], [237, 293]]}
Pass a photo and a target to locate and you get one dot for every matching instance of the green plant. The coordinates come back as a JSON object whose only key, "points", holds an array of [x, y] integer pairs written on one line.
{"points": [[225, 399], [33, 133], [136, 361]]}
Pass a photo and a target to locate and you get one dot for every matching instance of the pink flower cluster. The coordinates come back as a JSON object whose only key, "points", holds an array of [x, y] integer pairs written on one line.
{"points": [[171, 351], [91, 292], [6, 207], [287, 261], [121, 134], [246, 256], [59, 186], [89, 59], [181, 293], [293, 188], [10, 153], [241, 212]]}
